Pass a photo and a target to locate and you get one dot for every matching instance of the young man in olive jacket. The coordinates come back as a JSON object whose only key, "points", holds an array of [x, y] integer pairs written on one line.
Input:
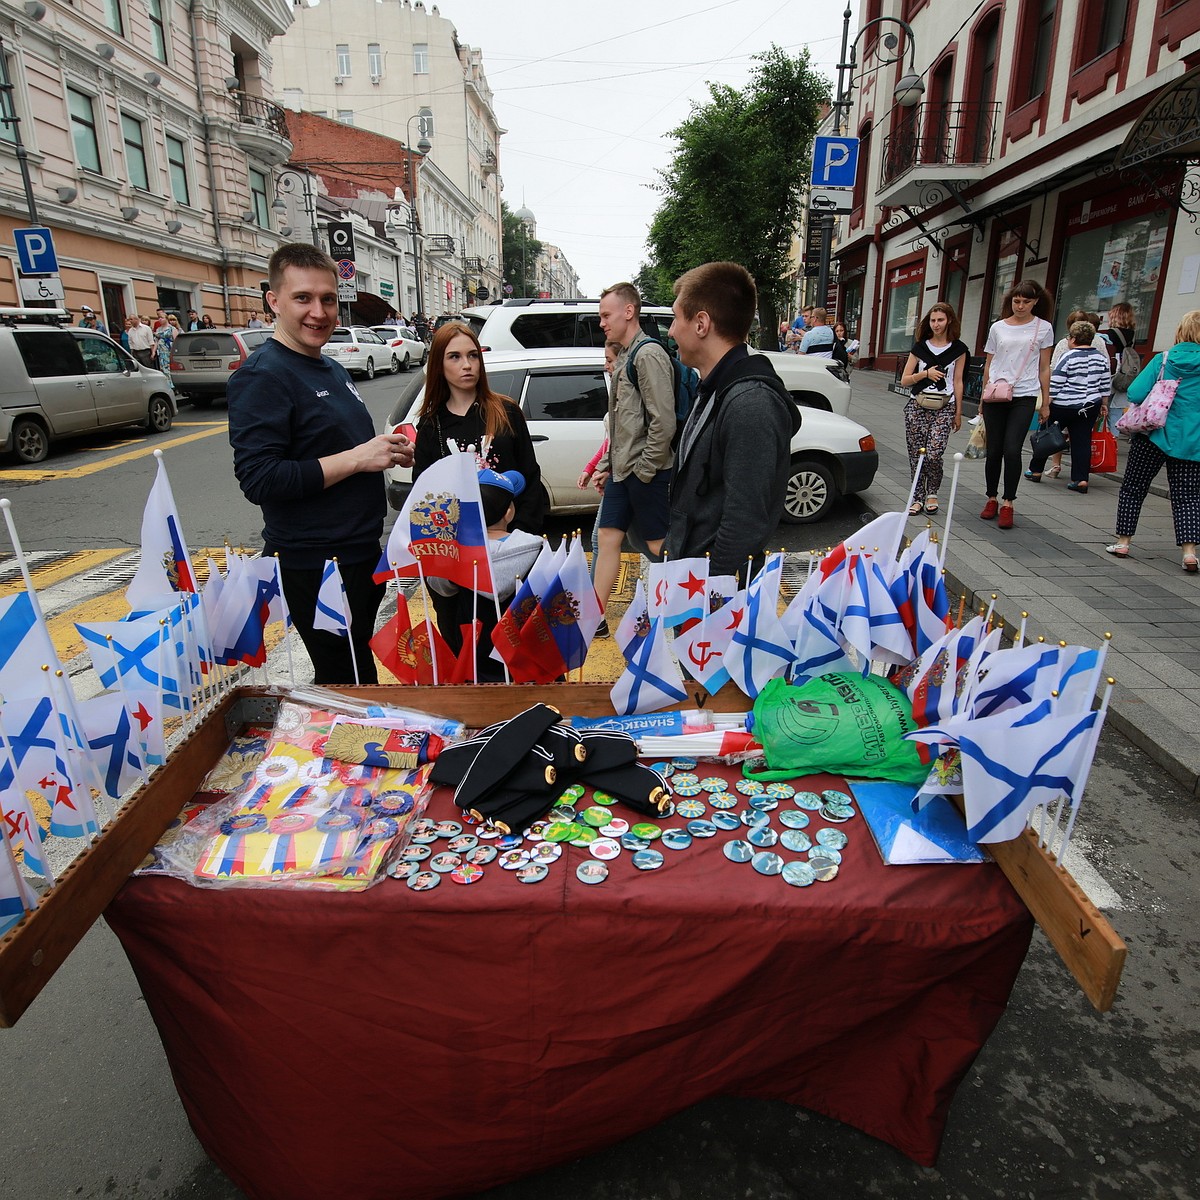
{"points": [[734, 455]]}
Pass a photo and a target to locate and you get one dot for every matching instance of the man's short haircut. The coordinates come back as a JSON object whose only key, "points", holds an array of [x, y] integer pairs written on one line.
{"points": [[724, 290], [626, 293], [495, 502], [1083, 333], [820, 316], [304, 256]]}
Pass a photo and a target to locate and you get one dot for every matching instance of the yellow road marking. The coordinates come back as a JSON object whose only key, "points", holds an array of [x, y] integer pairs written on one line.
{"points": [[64, 568], [41, 476]]}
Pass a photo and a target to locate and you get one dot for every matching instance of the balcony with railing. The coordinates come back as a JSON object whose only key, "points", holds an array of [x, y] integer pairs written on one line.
{"points": [[933, 145], [261, 130]]}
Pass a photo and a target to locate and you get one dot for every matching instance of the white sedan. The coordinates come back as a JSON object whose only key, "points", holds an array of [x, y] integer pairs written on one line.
{"points": [[405, 344], [564, 396], [360, 350]]}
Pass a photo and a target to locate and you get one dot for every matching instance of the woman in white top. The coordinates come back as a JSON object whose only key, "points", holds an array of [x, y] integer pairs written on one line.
{"points": [[1017, 351]]}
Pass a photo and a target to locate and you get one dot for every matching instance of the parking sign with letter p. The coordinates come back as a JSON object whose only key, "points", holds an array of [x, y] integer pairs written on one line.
{"points": [[835, 162]]}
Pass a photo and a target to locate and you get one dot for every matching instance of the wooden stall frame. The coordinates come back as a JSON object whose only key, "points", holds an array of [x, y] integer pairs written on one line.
{"points": [[35, 948]]}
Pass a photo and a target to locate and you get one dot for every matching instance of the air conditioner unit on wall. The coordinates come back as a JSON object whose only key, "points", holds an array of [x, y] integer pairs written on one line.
{"points": [[376, 79], [337, 79]]}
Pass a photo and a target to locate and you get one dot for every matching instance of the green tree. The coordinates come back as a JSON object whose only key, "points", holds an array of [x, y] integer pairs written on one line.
{"points": [[654, 284], [734, 187], [520, 253]]}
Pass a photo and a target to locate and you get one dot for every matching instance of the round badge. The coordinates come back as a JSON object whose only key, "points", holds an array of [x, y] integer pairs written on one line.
{"points": [[560, 831], [292, 822], [573, 793], [424, 825], [403, 870], [616, 827], [781, 791], [510, 841], [445, 862], [279, 769], [424, 881], [798, 874], [825, 852], [749, 787], [824, 869], [482, 855], [338, 822], [632, 843], [683, 764], [767, 862], [561, 812], [809, 801], [714, 783], [762, 836], [596, 816], [690, 808], [793, 818], [749, 817], [701, 829], [738, 851], [246, 823], [795, 839], [393, 803], [532, 872], [448, 829], [604, 848], [725, 820], [676, 839], [513, 860], [834, 797], [415, 854], [837, 812], [604, 798], [685, 789], [723, 800], [646, 830], [537, 831], [462, 843], [763, 803], [486, 833], [591, 872], [582, 835], [379, 829], [546, 852], [648, 860], [467, 874], [683, 777], [835, 839], [663, 768]]}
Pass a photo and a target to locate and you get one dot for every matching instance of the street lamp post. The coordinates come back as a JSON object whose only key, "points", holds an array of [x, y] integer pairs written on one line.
{"points": [[909, 90], [287, 182], [424, 144]]}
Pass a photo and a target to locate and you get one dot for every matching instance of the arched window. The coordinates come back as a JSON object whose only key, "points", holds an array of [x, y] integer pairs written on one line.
{"points": [[975, 140], [936, 146]]}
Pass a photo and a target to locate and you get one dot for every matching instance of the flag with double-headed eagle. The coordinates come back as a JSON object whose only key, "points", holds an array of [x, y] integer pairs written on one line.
{"points": [[572, 608], [442, 526], [165, 566], [651, 678]]}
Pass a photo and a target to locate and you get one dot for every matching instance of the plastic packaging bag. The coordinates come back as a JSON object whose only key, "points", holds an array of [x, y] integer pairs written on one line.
{"points": [[977, 442]]}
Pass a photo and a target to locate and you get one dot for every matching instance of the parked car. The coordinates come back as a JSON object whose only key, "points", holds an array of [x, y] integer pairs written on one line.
{"points": [[57, 382], [533, 324], [203, 360], [564, 396], [405, 344], [360, 350]]}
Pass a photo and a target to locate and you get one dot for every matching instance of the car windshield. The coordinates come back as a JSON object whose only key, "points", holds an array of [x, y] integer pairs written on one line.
{"points": [[341, 335]]}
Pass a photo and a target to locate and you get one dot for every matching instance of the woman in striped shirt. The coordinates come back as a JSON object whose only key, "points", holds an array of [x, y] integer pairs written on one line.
{"points": [[1080, 385]]}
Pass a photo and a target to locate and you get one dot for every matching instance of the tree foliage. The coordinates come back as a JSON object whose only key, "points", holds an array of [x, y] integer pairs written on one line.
{"points": [[520, 253], [733, 189]]}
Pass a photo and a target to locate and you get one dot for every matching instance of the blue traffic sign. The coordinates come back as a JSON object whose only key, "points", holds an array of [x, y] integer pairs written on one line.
{"points": [[835, 162], [35, 250]]}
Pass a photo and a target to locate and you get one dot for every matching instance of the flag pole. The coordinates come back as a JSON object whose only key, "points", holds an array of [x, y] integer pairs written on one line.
{"points": [[48, 873], [474, 618], [428, 624], [1077, 790], [22, 887], [346, 618], [958, 461], [287, 620]]}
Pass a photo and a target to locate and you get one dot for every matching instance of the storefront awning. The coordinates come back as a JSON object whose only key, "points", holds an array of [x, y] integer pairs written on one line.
{"points": [[1168, 128]]}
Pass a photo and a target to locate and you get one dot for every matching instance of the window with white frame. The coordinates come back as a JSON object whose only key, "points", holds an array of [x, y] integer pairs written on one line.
{"points": [[258, 198], [113, 17], [346, 116], [177, 165], [83, 129], [133, 134], [375, 59], [421, 58], [158, 29], [343, 61]]}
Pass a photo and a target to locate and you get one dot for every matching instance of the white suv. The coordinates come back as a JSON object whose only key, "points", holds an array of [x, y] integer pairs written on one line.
{"points": [[564, 396], [561, 324]]}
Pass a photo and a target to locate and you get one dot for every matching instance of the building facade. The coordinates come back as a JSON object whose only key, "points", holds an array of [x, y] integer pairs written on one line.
{"points": [[150, 137], [1055, 141], [376, 65]]}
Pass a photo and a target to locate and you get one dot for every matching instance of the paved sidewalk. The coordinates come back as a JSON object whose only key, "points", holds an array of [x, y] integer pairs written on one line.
{"points": [[1052, 565]]}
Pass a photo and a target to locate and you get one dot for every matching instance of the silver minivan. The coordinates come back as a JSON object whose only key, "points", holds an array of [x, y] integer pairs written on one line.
{"points": [[58, 382]]}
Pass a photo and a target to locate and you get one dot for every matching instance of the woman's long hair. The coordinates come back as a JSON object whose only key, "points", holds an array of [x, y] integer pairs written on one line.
{"points": [[492, 406], [953, 329], [1031, 290]]}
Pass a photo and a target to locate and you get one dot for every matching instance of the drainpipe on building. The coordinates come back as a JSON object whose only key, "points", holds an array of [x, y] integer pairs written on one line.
{"points": [[876, 241], [206, 121]]}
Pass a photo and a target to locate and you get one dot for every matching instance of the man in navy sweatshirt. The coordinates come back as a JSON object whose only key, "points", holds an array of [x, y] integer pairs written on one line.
{"points": [[305, 450]]}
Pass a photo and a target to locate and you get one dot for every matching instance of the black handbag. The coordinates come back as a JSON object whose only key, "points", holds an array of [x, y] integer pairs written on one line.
{"points": [[1047, 439]]}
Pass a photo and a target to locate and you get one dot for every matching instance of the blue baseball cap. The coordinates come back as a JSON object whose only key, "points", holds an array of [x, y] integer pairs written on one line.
{"points": [[512, 482]]}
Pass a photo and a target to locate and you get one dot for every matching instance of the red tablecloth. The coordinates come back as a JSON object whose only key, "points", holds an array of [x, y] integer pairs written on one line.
{"points": [[402, 1044]]}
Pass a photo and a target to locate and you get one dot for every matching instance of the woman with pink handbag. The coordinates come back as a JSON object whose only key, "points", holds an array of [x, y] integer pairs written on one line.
{"points": [[1175, 442], [1016, 373]]}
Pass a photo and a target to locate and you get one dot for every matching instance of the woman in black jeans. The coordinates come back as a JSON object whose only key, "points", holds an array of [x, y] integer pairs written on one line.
{"points": [[1018, 352]]}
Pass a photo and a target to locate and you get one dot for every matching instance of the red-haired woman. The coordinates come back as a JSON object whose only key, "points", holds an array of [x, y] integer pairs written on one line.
{"points": [[934, 373]]}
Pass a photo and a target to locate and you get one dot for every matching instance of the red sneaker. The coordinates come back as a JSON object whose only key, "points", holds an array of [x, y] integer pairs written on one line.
{"points": [[1006, 517], [990, 509]]}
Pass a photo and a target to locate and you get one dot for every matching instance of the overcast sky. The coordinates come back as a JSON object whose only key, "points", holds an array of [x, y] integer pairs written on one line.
{"points": [[589, 93]]}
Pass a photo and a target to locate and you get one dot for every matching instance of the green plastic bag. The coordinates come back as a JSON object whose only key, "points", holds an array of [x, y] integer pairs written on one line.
{"points": [[842, 724]]}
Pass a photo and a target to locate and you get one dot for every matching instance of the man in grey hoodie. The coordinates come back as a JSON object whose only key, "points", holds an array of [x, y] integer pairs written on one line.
{"points": [[732, 464]]}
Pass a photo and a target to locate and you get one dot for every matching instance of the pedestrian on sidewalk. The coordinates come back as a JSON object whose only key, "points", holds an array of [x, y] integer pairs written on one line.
{"points": [[1177, 444], [1017, 352], [1060, 348], [141, 341], [1079, 389], [934, 376], [1119, 332]]}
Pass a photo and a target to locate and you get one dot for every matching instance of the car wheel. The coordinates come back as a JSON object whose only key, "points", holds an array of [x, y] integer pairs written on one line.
{"points": [[407, 360], [370, 371], [29, 441], [810, 493], [160, 416], [396, 365]]}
